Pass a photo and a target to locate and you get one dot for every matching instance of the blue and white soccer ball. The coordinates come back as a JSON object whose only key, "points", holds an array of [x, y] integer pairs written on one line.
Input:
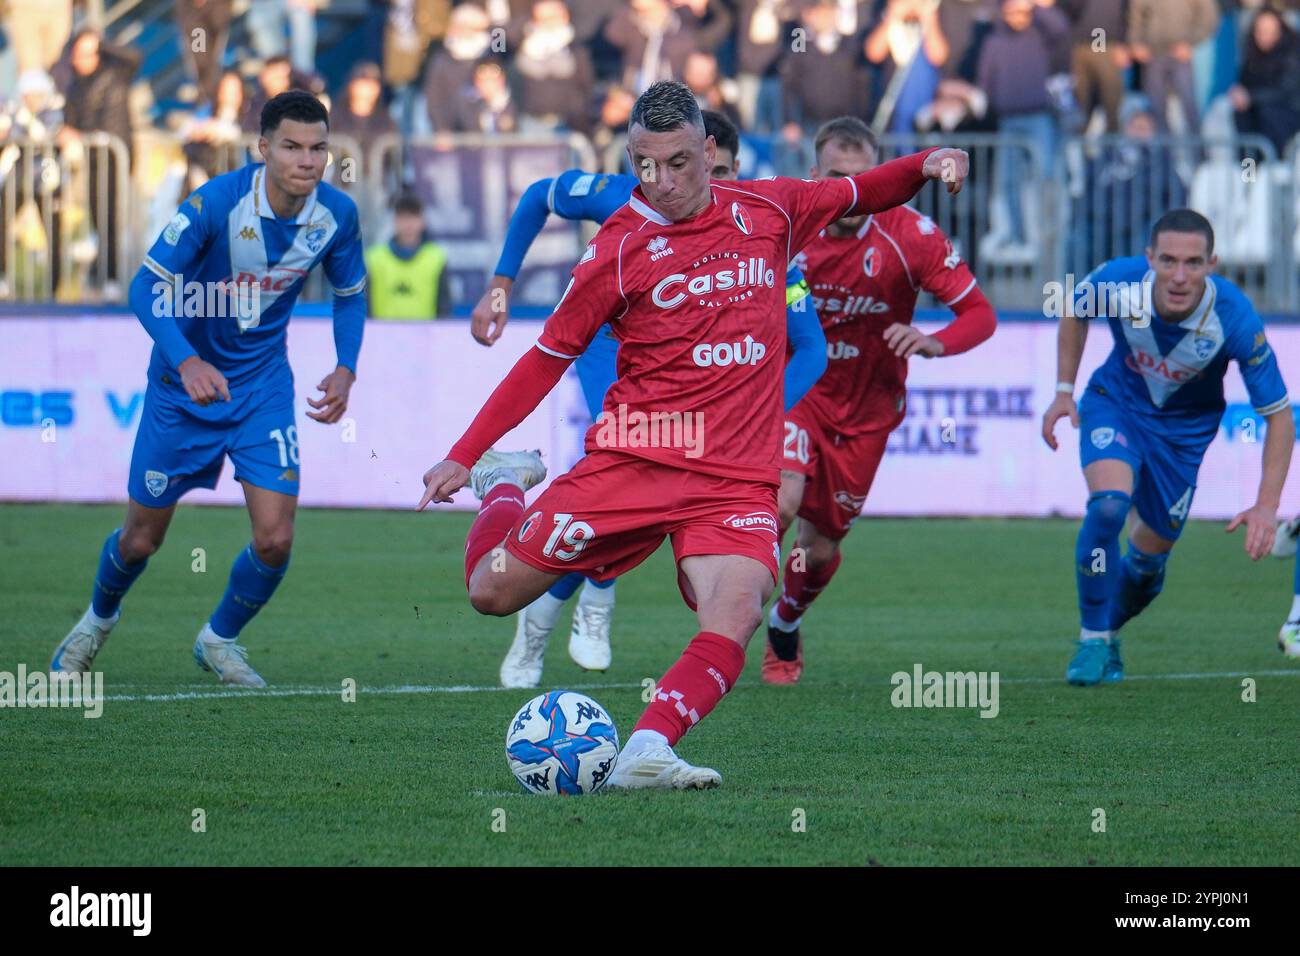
{"points": [[562, 742]]}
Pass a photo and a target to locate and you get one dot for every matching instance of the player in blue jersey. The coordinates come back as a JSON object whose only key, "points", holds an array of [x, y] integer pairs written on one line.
{"points": [[1149, 413], [215, 293], [580, 195], [1284, 546]]}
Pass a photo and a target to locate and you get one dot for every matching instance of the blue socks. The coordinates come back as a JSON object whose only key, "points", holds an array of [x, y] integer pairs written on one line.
{"points": [[251, 585], [113, 578], [1096, 556], [564, 588], [1141, 577]]}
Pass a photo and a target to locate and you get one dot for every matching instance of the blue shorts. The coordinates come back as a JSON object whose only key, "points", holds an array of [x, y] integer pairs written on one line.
{"points": [[597, 369], [1164, 466], [180, 446]]}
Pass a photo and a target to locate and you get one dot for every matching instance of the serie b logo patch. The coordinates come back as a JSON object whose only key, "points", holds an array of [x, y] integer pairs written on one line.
{"points": [[529, 527], [740, 216]]}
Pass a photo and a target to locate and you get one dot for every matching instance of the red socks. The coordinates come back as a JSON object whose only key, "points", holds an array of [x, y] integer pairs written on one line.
{"points": [[800, 588], [501, 508], [707, 669]]}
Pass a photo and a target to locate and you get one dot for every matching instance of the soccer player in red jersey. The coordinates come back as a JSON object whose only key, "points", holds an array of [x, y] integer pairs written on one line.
{"points": [[865, 271], [689, 273]]}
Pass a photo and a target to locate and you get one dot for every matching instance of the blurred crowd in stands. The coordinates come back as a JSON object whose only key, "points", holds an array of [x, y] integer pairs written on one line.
{"points": [[1037, 70]]}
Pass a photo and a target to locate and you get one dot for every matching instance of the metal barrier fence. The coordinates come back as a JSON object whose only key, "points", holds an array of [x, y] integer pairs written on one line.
{"points": [[76, 220], [63, 218]]}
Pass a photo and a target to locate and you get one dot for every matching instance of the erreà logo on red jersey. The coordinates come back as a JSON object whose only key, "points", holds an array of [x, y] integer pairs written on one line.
{"points": [[277, 279], [739, 274]]}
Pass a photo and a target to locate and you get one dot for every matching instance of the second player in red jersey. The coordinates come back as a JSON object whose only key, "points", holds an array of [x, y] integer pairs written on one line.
{"points": [[865, 273], [690, 276]]}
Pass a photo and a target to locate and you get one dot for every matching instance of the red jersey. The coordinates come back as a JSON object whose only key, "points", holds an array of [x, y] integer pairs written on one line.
{"points": [[861, 285], [698, 307]]}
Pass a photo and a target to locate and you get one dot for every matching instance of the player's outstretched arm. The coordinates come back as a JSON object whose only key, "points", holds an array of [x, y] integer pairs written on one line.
{"points": [[1261, 518], [521, 391], [897, 181], [1071, 334], [488, 320]]}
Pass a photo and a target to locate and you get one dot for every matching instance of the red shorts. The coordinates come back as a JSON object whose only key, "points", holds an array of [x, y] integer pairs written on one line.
{"points": [[839, 468], [613, 510]]}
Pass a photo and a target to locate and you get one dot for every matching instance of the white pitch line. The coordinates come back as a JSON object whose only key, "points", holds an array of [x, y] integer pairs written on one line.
{"points": [[471, 689], [331, 692]]}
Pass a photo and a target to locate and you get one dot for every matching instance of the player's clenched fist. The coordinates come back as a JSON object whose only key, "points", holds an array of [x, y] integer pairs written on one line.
{"points": [[950, 165], [441, 481], [203, 383], [1061, 406]]}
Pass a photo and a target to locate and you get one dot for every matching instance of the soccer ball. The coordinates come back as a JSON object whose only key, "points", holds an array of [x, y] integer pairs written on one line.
{"points": [[561, 742]]}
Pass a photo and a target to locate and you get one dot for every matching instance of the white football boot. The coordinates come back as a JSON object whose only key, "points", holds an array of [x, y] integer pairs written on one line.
{"points": [[523, 664], [589, 639], [661, 769], [1284, 540], [1288, 639], [225, 658], [522, 468], [77, 651]]}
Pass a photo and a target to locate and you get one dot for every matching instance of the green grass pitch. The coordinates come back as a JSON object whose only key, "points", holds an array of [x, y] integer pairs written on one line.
{"points": [[415, 773]]}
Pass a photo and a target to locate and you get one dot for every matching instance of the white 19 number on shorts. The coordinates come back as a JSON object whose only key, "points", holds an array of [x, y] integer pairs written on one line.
{"points": [[289, 449], [796, 443], [575, 534]]}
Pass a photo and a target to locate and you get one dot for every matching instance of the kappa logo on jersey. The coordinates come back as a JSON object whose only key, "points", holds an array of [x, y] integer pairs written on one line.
{"points": [[723, 354], [658, 248], [529, 527], [1102, 437], [740, 216], [155, 482], [842, 350], [871, 261], [248, 232], [754, 521], [179, 223], [850, 502], [747, 273], [1159, 367], [278, 279]]}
